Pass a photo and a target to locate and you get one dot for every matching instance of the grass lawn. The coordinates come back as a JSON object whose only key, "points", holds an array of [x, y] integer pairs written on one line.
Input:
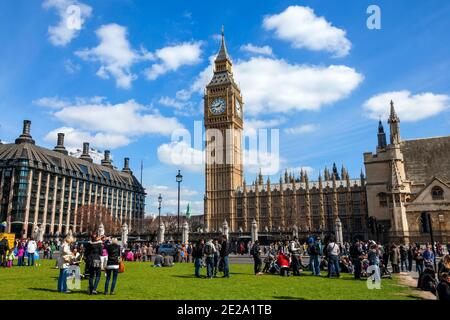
{"points": [[142, 282]]}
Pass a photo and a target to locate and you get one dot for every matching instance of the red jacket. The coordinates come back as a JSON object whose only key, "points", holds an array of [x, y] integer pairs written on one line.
{"points": [[283, 260]]}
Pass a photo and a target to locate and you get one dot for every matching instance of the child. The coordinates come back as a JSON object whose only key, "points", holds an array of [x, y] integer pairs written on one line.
{"points": [[10, 258]]}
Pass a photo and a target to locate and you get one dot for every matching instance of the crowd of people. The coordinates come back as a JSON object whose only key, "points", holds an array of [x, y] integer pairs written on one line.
{"points": [[285, 258]]}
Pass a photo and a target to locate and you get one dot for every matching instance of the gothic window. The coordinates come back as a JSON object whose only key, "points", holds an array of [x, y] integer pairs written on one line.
{"points": [[437, 193], [383, 199]]}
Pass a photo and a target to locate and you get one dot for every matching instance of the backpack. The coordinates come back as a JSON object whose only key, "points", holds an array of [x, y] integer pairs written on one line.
{"points": [[208, 249], [313, 250]]}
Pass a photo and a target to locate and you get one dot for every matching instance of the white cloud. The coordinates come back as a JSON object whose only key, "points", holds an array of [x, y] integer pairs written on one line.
{"points": [[74, 138], [115, 55], [265, 50], [52, 102], [179, 153], [65, 31], [303, 29], [173, 57], [408, 106], [253, 125], [96, 155], [301, 129], [107, 124], [181, 107], [71, 67], [273, 85]]}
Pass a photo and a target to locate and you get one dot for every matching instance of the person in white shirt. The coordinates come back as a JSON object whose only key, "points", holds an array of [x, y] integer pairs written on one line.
{"points": [[31, 249], [333, 253]]}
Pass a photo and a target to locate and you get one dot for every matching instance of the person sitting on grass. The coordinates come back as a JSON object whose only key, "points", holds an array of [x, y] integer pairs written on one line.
{"points": [[283, 263], [168, 260], [159, 260]]}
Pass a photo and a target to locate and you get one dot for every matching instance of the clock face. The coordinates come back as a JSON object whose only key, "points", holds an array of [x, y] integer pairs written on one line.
{"points": [[238, 108], [218, 106]]}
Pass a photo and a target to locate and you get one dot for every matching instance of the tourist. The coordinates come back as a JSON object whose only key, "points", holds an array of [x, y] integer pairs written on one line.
{"points": [[443, 288], [209, 252], [394, 255], [93, 262], [314, 257], [64, 261], [411, 252], [224, 252], [197, 254], [4, 248], [112, 265], [216, 256], [31, 249], [373, 255], [168, 260], [356, 253], [255, 251], [159, 260], [294, 250], [428, 257], [333, 253], [283, 264], [443, 266], [403, 259], [418, 257], [20, 255], [10, 257]]}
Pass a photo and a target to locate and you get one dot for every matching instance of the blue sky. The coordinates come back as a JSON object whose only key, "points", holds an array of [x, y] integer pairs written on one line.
{"points": [[133, 73]]}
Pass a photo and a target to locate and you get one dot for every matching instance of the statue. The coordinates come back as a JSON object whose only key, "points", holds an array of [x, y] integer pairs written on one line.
{"points": [[338, 228], [70, 233], [295, 231], [162, 230], [225, 229], [185, 235], [101, 230], [35, 234], [124, 234], [266, 229], [254, 231], [41, 232]]}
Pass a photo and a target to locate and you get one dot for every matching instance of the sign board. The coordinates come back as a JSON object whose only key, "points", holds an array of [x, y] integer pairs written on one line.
{"points": [[11, 237]]}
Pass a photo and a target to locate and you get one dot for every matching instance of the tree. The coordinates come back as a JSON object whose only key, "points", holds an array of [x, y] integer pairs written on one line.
{"points": [[89, 218]]}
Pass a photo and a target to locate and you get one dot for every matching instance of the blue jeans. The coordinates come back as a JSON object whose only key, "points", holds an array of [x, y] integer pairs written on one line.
{"points": [[197, 264], [31, 259], [209, 267], [315, 265], [226, 267], [20, 261], [94, 273], [419, 268], [62, 280], [333, 263], [114, 272]]}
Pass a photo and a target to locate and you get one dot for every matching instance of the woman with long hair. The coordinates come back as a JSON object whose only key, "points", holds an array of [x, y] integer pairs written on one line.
{"points": [[64, 260], [93, 262], [112, 265]]}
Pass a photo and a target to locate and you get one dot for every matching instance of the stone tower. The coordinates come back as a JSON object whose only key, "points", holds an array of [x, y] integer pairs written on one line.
{"points": [[223, 116]]}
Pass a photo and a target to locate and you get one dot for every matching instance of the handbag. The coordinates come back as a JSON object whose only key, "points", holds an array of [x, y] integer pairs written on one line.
{"points": [[121, 267], [96, 263]]}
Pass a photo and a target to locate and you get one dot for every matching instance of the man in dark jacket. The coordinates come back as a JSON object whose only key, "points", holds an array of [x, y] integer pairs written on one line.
{"points": [[224, 252], [93, 262], [411, 252], [256, 253], [197, 254], [4, 247], [355, 253]]}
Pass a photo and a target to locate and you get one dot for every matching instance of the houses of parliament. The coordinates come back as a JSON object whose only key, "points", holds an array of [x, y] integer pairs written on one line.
{"points": [[404, 179]]}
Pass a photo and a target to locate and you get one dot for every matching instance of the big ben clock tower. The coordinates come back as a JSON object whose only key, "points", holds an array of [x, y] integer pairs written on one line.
{"points": [[224, 124]]}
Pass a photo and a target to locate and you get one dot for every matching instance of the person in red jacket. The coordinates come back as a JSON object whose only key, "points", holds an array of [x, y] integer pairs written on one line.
{"points": [[283, 263]]}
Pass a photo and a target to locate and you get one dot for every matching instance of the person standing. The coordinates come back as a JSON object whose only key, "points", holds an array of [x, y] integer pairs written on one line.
{"points": [[31, 249], [4, 248], [403, 258], [216, 257], [112, 265], [418, 257], [210, 251], [410, 256], [314, 257], [428, 257], [294, 250], [93, 262], [255, 251], [333, 253], [395, 258], [64, 261], [197, 254], [355, 253], [224, 252]]}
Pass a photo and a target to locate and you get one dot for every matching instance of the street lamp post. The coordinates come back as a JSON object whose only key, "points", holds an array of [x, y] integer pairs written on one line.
{"points": [[159, 212], [179, 178]]}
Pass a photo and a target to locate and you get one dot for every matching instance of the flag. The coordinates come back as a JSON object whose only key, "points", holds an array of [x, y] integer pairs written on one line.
{"points": [[188, 212]]}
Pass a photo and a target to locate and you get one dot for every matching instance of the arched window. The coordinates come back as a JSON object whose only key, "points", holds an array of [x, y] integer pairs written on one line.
{"points": [[383, 199], [437, 193]]}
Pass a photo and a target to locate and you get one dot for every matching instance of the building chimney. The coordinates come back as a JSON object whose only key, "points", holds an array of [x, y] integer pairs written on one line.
{"points": [[85, 155], [126, 166], [25, 137], [60, 145], [106, 162]]}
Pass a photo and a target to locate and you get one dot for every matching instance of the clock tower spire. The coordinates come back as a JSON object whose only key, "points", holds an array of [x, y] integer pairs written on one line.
{"points": [[223, 116]]}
